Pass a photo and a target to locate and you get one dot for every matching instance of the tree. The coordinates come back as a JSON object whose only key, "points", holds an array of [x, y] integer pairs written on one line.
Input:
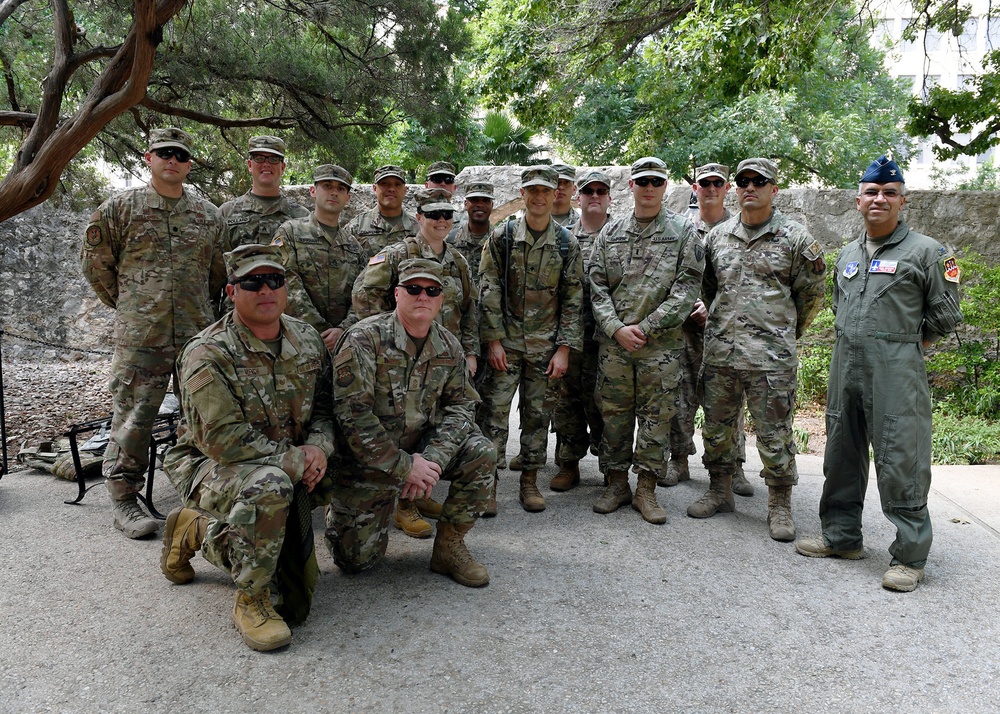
{"points": [[505, 142]]}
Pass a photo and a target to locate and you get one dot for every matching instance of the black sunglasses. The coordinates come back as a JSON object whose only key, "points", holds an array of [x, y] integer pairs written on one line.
{"points": [[591, 191], [438, 215], [705, 183], [431, 290], [253, 283], [646, 180], [169, 151], [758, 181], [442, 178]]}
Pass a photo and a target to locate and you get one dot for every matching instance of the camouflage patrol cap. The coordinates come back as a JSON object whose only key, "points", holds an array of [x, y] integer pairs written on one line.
{"points": [[765, 167], [332, 172], [649, 166], [388, 170], [267, 145], [539, 176], [441, 167], [246, 258], [480, 189], [414, 268], [433, 199], [171, 136], [593, 176], [565, 171], [709, 170]]}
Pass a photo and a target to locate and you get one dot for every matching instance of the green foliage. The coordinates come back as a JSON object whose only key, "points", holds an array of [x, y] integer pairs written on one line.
{"points": [[814, 373], [507, 143], [964, 440], [986, 177]]}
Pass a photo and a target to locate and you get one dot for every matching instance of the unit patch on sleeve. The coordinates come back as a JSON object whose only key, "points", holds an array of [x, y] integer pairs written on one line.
{"points": [[952, 273]]}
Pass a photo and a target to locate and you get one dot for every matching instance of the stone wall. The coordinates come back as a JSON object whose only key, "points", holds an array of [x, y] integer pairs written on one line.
{"points": [[44, 295]]}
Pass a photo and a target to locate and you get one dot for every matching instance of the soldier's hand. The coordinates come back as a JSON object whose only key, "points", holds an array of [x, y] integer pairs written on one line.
{"points": [[315, 465], [331, 336], [700, 313], [559, 363], [472, 363], [421, 479], [630, 337], [497, 356]]}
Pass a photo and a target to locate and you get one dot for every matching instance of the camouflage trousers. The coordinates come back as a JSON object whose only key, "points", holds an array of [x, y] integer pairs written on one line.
{"points": [[538, 395], [249, 506], [360, 513], [139, 380], [577, 420], [770, 397], [636, 387]]}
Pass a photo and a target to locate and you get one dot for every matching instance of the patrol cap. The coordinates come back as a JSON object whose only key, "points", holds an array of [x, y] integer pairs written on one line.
{"points": [[441, 167], [709, 170], [565, 171], [246, 258], [433, 199], [593, 176], [413, 268], [882, 170], [649, 166], [539, 176], [332, 172], [171, 136], [388, 170], [480, 189], [765, 167], [267, 145]]}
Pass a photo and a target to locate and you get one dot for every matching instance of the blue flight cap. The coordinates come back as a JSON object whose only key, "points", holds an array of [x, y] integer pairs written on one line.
{"points": [[883, 170]]}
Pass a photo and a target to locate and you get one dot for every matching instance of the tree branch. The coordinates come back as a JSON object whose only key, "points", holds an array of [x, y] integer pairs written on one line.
{"points": [[7, 8], [214, 120]]}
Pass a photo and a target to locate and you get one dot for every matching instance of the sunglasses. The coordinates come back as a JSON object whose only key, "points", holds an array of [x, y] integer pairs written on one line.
{"points": [[591, 191], [172, 151], [705, 183], [253, 283], [438, 215], [266, 159], [431, 290], [744, 181], [442, 178], [647, 180]]}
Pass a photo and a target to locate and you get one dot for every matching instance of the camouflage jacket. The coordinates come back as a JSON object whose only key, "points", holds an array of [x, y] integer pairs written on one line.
{"points": [[157, 268], [241, 404], [319, 272], [470, 246], [373, 290], [251, 219], [647, 277], [390, 403], [374, 233], [586, 241], [703, 229], [571, 218], [761, 293], [530, 297]]}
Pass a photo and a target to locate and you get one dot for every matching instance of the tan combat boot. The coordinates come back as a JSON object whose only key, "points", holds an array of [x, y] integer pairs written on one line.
{"points": [[516, 464], [718, 498], [408, 520], [779, 513], [676, 471], [617, 494], [491, 505], [531, 497], [130, 519], [741, 487], [567, 478], [451, 556], [644, 500], [428, 507], [262, 628], [183, 535]]}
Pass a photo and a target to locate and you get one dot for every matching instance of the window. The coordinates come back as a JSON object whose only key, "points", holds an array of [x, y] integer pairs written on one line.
{"points": [[909, 81], [965, 82], [911, 45], [967, 40], [993, 33], [883, 33], [930, 81], [933, 41]]}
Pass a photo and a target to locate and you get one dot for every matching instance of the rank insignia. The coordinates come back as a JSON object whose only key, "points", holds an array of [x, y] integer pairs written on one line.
{"points": [[952, 273], [851, 269], [344, 376]]}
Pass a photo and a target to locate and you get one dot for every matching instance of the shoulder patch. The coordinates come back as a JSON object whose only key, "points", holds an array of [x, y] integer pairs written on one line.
{"points": [[199, 379], [377, 258], [94, 236], [952, 273], [814, 251], [345, 377], [278, 242]]}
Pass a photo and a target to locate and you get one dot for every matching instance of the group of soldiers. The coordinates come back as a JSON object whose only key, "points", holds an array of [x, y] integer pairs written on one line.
{"points": [[354, 366]]}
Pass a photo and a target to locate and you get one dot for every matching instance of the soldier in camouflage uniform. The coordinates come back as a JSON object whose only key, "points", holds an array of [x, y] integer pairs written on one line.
{"points": [[373, 295], [321, 260], [387, 222], [576, 417], [895, 293], [405, 405], [531, 295], [441, 174], [764, 284], [645, 274], [154, 255], [563, 212], [468, 239], [257, 432]]}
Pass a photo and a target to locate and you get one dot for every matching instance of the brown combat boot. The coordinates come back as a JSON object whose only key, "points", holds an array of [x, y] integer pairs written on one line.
{"points": [[567, 478], [741, 487], [718, 498], [408, 520], [644, 500], [261, 627], [779, 513], [531, 497], [451, 556], [183, 535], [676, 471], [428, 507], [491, 505], [516, 464], [617, 494]]}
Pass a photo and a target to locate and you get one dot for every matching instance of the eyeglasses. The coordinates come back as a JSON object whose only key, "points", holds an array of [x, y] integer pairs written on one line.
{"points": [[431, 290], [266, 159], [705, 183], [169, 152], [442, 178], [438, 215], [758, 181], [588, 191], [888, 193], [646, 180], [253, 283]]}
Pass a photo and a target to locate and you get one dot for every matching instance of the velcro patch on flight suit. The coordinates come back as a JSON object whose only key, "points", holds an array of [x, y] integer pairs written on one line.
{"points": [[952, 273]]}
